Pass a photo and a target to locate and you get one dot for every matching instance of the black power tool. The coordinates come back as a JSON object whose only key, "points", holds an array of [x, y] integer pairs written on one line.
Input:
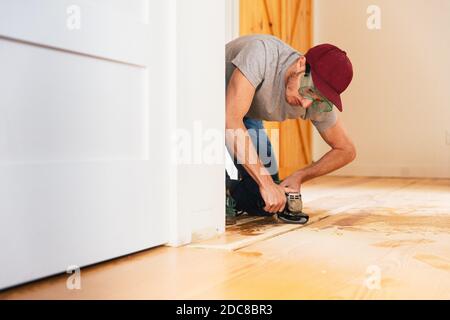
{"points": [[293, 212], [247, 198]]}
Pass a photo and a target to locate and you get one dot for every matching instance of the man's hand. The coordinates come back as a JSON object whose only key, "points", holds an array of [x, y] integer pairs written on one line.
{"points": [[292, 183], [274, 197], [296, 100]]}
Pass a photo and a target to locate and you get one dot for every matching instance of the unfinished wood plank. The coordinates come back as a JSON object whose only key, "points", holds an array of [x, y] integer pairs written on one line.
{"points": [[329, 259], [243, 235], [307, 264]]}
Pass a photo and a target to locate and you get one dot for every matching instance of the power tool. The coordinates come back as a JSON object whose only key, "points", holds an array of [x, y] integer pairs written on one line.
{"points": [[293, 212], [246, 197]]}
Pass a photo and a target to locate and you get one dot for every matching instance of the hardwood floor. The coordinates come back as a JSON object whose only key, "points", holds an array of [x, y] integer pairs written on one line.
{"points": [[368, 239]]}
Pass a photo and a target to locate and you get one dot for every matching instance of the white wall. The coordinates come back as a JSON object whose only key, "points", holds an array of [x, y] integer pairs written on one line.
{"points": [[398, 107], [231, 33], [197, 92], [231, 20]]}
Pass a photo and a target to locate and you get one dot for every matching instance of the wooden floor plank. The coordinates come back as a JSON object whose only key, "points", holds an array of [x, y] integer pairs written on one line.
{"points": [[373, 239], [244, 235]]}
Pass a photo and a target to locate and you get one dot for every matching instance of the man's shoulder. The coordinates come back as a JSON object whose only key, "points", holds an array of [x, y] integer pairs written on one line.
{"points": [[243, 41], [321, 120]]}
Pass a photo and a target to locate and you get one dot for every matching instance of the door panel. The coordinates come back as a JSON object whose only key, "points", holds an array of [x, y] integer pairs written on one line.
{"points": [[107, 30], [87, 122], [81, 176]]}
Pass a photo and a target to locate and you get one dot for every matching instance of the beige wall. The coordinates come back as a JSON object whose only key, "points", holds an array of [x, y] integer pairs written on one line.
{"points": [[398, 107]]}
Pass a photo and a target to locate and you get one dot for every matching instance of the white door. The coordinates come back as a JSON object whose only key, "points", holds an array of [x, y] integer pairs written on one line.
{"points": [[81, 129]]}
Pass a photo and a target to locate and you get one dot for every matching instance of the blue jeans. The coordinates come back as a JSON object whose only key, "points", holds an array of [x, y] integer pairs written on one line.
{"points": [[263, 147]]}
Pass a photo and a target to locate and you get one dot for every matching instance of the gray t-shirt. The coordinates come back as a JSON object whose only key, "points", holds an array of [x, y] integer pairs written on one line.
{"points": [[264, 60]]}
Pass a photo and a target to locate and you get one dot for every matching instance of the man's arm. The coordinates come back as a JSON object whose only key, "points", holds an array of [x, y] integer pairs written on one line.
{"points": [[240, 93], [342, 153]]}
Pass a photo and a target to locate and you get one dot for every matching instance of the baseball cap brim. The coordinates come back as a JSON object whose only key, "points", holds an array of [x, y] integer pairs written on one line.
{"points": [[327, 90]]}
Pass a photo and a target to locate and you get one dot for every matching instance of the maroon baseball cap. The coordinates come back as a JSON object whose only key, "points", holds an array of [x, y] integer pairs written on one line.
{"points": [[331, 71]]}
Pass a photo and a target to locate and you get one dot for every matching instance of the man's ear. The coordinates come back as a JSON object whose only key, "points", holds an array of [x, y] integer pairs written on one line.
{"points": [[302, 64]]}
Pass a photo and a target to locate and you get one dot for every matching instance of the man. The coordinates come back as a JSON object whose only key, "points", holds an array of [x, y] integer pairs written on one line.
{"points": [[268, 80]]}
